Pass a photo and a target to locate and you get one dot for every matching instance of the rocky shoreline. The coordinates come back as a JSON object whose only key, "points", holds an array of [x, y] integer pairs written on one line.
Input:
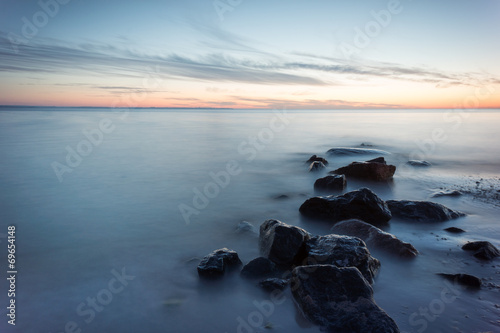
{"points": [[331, 276]]}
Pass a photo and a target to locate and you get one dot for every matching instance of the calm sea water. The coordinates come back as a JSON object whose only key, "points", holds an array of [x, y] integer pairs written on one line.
{"points": [[112, 207]]}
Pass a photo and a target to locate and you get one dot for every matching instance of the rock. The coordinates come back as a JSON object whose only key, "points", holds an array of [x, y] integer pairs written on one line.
{"points": [[482, 250], [375, 237], [422, 211], [258, 268], [282, 243], [331, 183], [316, 166], [454, 230], [376, 169], [361, 204], [273, 284], [417, 163], [465, 279], [245, 227], [315, 158], [342, 251], [216, 263], [356, 151], [451, 193], [339, 300]]}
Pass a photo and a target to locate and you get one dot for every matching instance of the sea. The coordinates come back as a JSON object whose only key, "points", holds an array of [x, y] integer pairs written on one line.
{"points": [[113, 210]]}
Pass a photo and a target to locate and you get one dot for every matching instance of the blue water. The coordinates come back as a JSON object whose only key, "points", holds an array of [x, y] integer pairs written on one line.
{"points": [[120, 209]]}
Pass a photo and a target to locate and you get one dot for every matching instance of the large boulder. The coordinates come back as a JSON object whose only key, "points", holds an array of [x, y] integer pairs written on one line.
{"points": [[339, 300], [422, 210], [282, 243], [375, 237], [216, 263], [376, 169], [361, 204], [258, 268], [356, 151], [482, 250], [342, 251], [330, 183]]}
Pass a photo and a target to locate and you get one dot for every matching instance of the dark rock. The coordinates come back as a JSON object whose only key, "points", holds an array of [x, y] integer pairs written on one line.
{"points": [[216, 263], [375, 237], [422, 210], [282, 243], [282, 197], [361, 204], [331, 183], [273, 284], [376, 169], [465, 279], [417, 163], [342, 251], [316, 166], [315, 158], [454, 230], [451, 193], [258, 268], [245, 227], [482, 250], [339, 300], [356, 151]]}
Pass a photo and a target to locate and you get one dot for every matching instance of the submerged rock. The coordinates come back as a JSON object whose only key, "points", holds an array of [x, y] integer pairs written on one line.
{"points": [[465, 279], [315, 158], [482, 250], [376, 169], [282, 243], [245, 227], [422, 210], [417, 163], [339, 300], [273, 284], [356, 151], [361, 204], [331, 183], [342, 251], [451, 193], [454, 230], [316, 166], [375, 237], [216, 263], [258, 268]]}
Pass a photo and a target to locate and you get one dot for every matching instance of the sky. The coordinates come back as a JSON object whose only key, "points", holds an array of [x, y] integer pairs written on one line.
{"points": [[295, 54]]}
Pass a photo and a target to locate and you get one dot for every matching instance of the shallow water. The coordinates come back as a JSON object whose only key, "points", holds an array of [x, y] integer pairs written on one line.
{"points": [[119, 208]]}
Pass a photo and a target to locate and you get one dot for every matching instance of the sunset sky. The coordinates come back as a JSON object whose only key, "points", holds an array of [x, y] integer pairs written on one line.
{"points": [[323, 54]]}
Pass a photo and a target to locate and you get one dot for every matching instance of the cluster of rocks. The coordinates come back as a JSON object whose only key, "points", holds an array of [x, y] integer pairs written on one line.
{"points": [[329, 276]]}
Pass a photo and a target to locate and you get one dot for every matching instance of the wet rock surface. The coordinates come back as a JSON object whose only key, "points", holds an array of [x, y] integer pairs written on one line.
{"points": [[376, 169], [375, 237], [464, 279], [482, 250], [258, 268], [315, 158], [356, 151], [361, 204], [272, 284], [331, 183], [339, 300], [342, 251], [281, 243], [316, 166], [218, 262], [422, 211]]}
